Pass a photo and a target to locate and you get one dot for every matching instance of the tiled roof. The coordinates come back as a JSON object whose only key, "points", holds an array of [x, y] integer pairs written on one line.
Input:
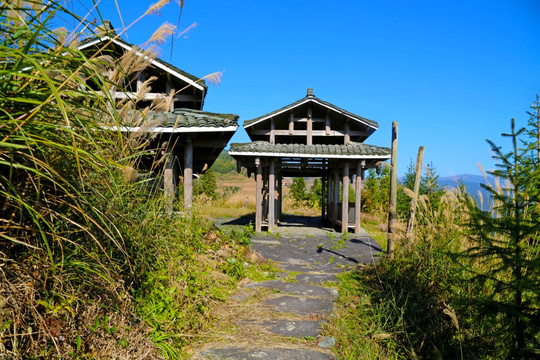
{"points": [[313, 98], [182, 118], [353, 149]]}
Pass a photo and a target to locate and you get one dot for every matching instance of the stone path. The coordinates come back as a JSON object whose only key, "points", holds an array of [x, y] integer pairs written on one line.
{"points": [[281, 319]]}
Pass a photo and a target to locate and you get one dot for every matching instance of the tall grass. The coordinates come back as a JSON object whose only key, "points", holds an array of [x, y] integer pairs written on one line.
{"points": [[91, 264]]}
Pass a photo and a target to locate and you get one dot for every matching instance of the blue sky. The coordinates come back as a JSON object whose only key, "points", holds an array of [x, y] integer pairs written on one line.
{"points": [[451, 73]]}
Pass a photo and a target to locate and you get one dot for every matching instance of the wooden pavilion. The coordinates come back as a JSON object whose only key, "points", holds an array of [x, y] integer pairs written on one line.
{"points": [[309, 138], [190, 139]]}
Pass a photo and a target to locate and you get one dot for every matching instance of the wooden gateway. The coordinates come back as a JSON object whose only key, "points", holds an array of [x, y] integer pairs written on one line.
{"points": [[309, 138]]}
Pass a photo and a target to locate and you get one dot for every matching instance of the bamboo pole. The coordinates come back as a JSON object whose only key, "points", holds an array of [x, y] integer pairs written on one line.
{"points": [[414, 200], [391, 236]]}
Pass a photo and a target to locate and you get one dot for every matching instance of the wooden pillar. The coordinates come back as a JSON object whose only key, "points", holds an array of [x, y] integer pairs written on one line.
{"points": [[393, 193], [272, 131], [188, 175], [323, 202], [358, 196], [327, 124], [265, 192], [330, 194], [291, 123], [345, 202], [168, 177], [280, 194], [271, 197], [258, 196], [347, 137], [309, 140], [336, 197]]}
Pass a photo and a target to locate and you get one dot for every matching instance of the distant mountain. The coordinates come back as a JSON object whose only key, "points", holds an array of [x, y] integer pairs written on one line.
{"points": [[472, 183]]}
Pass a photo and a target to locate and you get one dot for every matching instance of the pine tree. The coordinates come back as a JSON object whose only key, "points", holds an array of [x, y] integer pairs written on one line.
{"points": [[505, 251], [429, 186]]}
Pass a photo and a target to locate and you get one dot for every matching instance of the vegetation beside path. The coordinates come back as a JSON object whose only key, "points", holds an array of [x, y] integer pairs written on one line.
{"points": [[93, 262]]}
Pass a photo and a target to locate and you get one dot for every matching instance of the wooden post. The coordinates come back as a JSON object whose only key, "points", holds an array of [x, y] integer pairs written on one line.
{"points": [[347, 137], [327, 124], [258, 196], [393, 193], [280, 194], [336, 197], [358, 197], [329, 194], [323, 195], [272, 131], [168, 177], [188, 175], [271, 197], [414, 199], [345, 202], [291, 123], [309, 140]]}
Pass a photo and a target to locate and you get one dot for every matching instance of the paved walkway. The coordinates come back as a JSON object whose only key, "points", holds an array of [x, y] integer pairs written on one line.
{"points": [[281, 319]]}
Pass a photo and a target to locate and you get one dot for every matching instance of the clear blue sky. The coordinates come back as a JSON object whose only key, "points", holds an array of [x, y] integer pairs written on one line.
{"points": [[451, 73]]}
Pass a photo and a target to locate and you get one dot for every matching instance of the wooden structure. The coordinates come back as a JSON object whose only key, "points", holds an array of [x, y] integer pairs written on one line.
{"points": [[309, 138], [189, 138]]}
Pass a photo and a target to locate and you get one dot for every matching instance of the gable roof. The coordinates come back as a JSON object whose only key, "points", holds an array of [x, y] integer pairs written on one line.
{"points": [[171, 69], [310, 97]]}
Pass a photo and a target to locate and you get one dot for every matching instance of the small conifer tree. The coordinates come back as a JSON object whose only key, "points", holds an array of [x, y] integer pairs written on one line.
{"points": [[505, 250]]}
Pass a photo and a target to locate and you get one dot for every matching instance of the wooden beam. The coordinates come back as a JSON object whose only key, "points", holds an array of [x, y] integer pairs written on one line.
{"points": [[188, 175], [150, 96], [278, 132], [329, 193], [309, 138], [345, 200], [271, 197], [258, 196]]}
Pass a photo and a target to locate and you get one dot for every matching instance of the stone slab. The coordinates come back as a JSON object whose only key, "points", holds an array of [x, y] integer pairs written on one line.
{"points": [[278, 353], [301, 306], [295, 288], [299, 329], [316, 278]]}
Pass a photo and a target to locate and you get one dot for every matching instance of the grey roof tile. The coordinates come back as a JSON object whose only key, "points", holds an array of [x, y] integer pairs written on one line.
{"points": [[353, 148]]}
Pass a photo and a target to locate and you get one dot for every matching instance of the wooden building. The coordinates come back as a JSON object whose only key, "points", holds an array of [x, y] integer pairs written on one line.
{"points": [[189, 138], [309, 138]]}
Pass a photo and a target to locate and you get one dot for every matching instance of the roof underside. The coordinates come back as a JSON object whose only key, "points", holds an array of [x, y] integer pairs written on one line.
{"points": [[323, 105], [171, 69]]}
